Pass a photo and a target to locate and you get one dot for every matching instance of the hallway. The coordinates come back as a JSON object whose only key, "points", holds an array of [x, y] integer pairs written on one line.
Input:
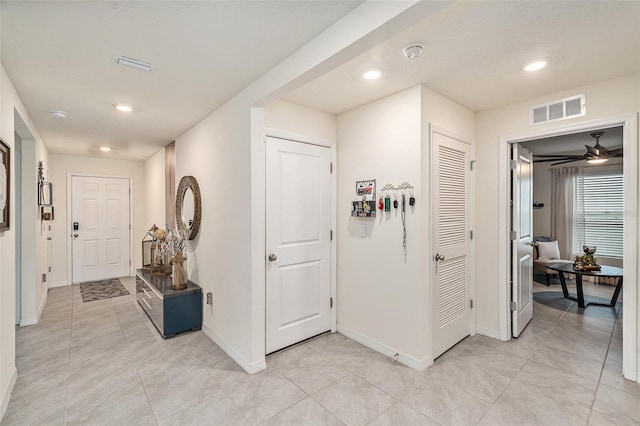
{"points": [[103, 363]]}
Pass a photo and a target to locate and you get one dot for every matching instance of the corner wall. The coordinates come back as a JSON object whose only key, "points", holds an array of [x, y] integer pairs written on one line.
{"points": [[10, 105], [379, 285]]}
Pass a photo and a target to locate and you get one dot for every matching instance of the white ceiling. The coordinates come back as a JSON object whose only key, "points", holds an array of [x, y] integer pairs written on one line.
{"points": [[58, 55], [475, 52]]}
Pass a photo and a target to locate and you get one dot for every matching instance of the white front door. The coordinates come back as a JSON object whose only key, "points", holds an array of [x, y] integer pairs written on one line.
{"points": [[522, 222], [100, 208], [452, 247], [298, 248]]}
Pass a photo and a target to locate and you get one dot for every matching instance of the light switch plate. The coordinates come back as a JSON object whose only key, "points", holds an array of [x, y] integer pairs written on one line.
{"points": [[363, 230]]}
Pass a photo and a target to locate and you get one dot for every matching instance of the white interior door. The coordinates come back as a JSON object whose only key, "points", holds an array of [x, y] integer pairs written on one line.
{"points": [[298, 226], [100, 207], [452, 247], [522, 221]]}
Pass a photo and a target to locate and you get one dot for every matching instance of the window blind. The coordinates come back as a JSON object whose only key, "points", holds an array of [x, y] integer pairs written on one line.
{"points": [[599, 213]]}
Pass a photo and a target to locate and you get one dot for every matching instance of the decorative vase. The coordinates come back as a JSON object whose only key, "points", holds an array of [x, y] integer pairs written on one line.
{"points": [[179, 272]]}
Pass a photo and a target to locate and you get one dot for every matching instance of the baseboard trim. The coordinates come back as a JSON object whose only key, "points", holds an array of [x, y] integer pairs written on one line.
{"points": [[406, 359], [6, 394], [489, 333], [249, 367], [59, 284], [34, 320]]}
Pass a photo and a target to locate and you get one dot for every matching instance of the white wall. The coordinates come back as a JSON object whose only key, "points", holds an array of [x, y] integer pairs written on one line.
{"points": [[154, 192], [63, 165], [379, 293], [217, 153], [617, 97], [10, 105], [299, 120], [383, 292]]}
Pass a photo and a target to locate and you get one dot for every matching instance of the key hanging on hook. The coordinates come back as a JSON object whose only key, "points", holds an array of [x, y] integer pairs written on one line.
{"points": [[380, 203], [395, 201], [412, 199], [387, 203]]}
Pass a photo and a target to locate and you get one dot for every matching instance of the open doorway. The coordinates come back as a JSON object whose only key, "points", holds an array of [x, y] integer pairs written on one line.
{"points": [[628, 125]]}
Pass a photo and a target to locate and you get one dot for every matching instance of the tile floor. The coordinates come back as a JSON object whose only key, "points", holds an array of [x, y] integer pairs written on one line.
{"points": [[103, 363]]}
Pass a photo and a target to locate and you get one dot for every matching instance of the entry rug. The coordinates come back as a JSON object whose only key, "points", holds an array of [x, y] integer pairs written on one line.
{"points": [[99, 290]]}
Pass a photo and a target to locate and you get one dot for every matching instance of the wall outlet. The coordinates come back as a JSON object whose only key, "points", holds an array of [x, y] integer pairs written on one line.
{"points": [[210, 298], [363, 230]]}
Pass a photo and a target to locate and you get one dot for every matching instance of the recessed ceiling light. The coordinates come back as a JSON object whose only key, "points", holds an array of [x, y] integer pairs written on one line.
{"points": [[124, 108], [372, 74], [105, 148], [56, 113], [535, 66]]}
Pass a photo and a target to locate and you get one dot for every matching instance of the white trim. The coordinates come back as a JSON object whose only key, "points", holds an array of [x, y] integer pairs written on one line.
{"points": [[630, 142], [294, 137], [59, 284], [494, 334], [6, 394], [36, 319], [247, 366], [406, 359], [70, 175]]}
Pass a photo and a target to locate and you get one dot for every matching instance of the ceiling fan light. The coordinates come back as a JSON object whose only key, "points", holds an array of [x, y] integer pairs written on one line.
{"points": [[597, 160]]}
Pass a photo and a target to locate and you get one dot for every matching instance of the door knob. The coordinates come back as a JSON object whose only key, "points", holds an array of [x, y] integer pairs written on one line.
{"points": [[532, 243], [75, 235], [49, 238], [438, 257], [272, 257]]}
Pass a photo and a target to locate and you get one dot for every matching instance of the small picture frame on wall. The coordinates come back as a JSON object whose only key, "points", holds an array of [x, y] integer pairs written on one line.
{"points": [[5, 185], [366, 190]]}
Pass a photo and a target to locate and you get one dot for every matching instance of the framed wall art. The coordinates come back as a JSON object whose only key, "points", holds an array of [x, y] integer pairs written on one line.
{"points": [[5, 184]]}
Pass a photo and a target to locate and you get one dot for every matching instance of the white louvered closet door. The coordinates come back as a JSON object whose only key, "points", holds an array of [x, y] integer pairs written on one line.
{"points": [[452, 260]]}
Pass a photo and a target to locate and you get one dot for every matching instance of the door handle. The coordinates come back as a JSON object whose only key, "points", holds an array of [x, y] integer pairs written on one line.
{"points": [[532, 243], [272, 257], [438, 257], [49, 238], [75, 235]]}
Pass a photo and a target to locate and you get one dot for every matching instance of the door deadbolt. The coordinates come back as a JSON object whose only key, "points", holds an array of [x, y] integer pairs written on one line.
{"points": [[438, 257], [272, 257]]}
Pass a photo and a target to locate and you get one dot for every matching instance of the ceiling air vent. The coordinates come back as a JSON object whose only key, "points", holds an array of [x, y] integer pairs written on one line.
{"points": [[562, 109]]}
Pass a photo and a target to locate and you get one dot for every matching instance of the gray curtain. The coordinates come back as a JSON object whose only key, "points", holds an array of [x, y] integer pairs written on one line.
{"points": [[563, 189]]}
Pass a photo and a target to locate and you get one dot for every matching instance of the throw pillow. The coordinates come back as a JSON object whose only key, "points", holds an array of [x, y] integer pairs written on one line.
{"points": [[548, 250]]}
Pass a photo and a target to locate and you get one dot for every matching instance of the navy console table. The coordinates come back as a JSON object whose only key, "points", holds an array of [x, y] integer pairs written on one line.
{"points": [[171, 311]]}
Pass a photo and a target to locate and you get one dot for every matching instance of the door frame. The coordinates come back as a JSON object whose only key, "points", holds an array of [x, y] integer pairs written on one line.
{"points": [[630, 259], [278, 134], [430, 240], [69, 218]]}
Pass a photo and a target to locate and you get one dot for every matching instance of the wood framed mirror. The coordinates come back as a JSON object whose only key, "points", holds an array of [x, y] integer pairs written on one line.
{"points": [[188, 206]]}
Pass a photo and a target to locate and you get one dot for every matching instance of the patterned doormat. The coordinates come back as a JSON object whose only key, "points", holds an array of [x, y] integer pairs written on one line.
{"points": [[105, 289]]}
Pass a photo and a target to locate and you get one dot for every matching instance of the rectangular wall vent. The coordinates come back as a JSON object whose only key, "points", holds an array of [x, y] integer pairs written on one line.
{"points": [[561, 109]]}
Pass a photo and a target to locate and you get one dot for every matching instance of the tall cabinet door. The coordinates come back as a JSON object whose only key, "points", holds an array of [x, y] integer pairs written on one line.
{"points": [[452, 247]]}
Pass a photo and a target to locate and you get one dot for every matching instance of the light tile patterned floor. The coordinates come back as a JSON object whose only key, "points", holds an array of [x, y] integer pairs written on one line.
{"points": [[103, 363]]}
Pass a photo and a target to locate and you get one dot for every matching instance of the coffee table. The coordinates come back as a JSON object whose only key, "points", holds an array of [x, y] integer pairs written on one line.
{"points": [[605, 272]]}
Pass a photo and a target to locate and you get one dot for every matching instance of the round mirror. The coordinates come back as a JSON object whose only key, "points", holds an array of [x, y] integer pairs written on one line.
{"points": [[188, 206]]}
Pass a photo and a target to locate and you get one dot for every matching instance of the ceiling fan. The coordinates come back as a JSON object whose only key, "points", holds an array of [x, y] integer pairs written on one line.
{"points": [[595, 154]]}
